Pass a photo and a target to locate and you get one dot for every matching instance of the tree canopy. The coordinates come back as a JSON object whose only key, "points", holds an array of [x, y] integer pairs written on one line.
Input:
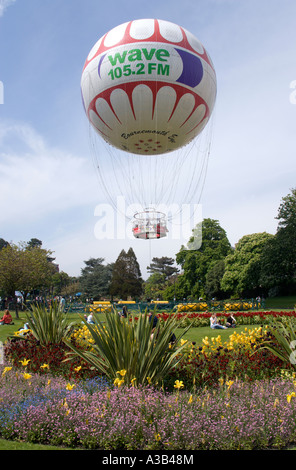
{"points": [[163, 266], [215, 246], [242, 267], [126, 278], [95, 278], [278, 269], [24, 268]]}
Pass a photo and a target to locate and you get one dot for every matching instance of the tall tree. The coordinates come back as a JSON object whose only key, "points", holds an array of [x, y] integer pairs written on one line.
{"points": [[25, 269], [163, 266], [126, 276], [95, 278], [34, 243], [242, 267], [278, 270], [3, 243], [214, 277], [196, 263]]}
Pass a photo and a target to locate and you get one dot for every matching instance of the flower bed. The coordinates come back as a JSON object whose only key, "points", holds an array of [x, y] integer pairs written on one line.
{"points": [[18, 350], [240, 357], [221, 395], [197, 319], [234, 415]]}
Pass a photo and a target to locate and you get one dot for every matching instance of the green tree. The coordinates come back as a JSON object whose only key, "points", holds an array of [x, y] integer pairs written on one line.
{"points": [[59, 282], [163, 275], [243, 266], [3, 243], [95, 278], [196, 263], [278, 269], [214, 277], [163, 266], [126, 276], [23, 268]]}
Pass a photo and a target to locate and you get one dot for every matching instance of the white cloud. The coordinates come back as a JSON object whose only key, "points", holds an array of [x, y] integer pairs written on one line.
{"points": [[4, 4], [39, 181]]}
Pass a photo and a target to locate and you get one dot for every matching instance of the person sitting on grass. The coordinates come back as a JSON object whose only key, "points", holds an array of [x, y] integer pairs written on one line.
{"points": [[6, 319], [231, 322], [214, 324]]}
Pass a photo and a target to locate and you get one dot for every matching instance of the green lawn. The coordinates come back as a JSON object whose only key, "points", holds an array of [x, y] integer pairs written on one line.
{"points": [[194, 334], [15, 445], [281, 303], [197, 334]]}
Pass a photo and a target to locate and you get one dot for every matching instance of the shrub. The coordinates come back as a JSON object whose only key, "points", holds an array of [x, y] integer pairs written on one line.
{"points": [[128, 345], [48, 325]]}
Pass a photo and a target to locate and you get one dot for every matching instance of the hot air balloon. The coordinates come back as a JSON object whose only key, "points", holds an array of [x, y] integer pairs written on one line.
{"points": [[149, 88]]}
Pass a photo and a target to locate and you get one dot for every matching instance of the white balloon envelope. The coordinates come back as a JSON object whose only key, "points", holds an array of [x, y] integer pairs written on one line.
{"points": [[148, 87]]}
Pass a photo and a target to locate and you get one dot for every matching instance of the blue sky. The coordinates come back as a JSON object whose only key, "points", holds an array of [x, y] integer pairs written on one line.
{"points": [[48, 186]]}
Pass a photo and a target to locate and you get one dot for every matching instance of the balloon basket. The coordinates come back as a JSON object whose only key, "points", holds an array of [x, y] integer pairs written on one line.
{"points": [[149, 224]]}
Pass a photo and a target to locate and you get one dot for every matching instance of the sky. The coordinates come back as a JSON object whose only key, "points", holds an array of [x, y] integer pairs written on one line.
{"points": [[49, 188]]}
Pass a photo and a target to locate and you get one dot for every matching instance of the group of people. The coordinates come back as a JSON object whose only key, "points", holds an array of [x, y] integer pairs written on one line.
{"points": [[215, 323]]}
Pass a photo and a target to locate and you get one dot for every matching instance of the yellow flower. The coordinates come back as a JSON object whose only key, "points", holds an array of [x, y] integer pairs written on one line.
{"points": [[179, 384], [69, 386], [118, 382], [289, 397], [190, 399], [77, 369], [157, 437], [48, 382], [25, 362], [149, 379], [133, 381], [206, 341], [6, 369], [44, 366], [122, 372], [229, 383], [27, 376]]}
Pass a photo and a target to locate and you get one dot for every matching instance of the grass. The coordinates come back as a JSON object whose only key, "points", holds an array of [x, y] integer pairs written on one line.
{"points": [[194, 334], [15, 445], [197, 334], [280, 303]]}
